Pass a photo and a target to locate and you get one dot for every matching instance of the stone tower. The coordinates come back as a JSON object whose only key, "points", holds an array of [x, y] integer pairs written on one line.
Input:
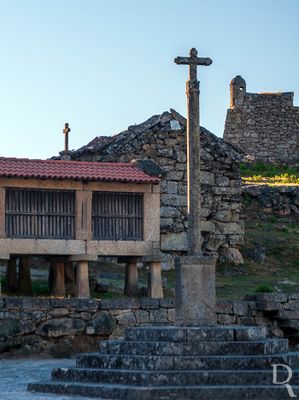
{"points": [[237, 92], [263, 125]]}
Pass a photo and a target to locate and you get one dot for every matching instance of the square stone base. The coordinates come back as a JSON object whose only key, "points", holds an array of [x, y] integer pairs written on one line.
{"points": [[195, 291]]}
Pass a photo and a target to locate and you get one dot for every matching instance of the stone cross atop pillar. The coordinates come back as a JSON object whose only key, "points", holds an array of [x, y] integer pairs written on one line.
{"points": [[66, 154], [66, 132], [193, 150], [195, 274]]}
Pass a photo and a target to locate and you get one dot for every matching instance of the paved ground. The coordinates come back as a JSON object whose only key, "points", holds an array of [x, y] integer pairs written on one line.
{"points": [[16, 374]]}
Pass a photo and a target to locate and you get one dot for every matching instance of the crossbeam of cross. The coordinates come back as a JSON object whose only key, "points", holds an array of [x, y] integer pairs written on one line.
{"points": [[193, 61]]}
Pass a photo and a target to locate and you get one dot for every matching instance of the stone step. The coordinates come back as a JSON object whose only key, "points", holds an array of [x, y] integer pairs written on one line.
{"points": [[121, 361], [128, 392], [290, 324], [270, 346], [201, 334], [173, 378]]}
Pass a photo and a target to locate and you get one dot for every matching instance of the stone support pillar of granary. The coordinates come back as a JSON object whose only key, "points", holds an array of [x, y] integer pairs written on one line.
{"points": [[58, 285], [131, 279], [70, 279], [24, 277], [155, 288], [11, 275], [82, 280], [82, 274]]}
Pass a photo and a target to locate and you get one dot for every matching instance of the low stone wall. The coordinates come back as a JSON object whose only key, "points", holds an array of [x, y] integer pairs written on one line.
{"points": [[279, 200], [62, 327]]}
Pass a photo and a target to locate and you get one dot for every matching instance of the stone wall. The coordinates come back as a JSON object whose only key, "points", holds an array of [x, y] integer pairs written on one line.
{"points": [[61, 327], [279, 200], [162, 139], [263, 125]]}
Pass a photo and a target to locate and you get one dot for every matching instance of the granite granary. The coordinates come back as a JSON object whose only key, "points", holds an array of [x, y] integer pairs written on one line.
{"points": [[162, 139]]}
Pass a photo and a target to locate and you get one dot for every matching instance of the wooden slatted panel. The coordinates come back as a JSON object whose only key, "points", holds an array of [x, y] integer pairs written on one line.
{"points": [[117, 216], [32, 213]]}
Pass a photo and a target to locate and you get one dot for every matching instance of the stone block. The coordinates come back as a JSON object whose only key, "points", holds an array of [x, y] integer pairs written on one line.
{"points": [[292, 305], [36, 303], [149, 304], [57, 327], [223, 216], [120, 304], [224, 307], [171, 315], [175, 175], [174, 241], [142, 317], [268, 306], [207, 226], [39, 316], [167, 303], [28, 327], [222, 180], [207, 178], [127, 319], [273, 297], [10, 328], [173, 200], [226, 319], [169, 212], [59, 312], [234, 240], [172, 187], [102, 325], [158, 316], [240, 308], [231, 228], [288, 314], [195, 277], [14, 303]]}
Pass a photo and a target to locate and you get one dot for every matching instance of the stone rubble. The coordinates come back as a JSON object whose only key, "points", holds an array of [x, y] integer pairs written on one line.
{"points": [[279, 200]]}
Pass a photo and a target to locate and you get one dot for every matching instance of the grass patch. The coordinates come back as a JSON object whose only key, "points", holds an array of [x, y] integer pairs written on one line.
{"points": [[264, 289], [260, 172]]}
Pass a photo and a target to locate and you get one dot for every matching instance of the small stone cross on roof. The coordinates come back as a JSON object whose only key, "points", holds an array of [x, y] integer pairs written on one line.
{"points": [[66, 131]]}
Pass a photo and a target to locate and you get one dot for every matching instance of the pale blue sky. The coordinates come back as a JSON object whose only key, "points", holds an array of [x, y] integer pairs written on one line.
{"points": [[102, 65]]}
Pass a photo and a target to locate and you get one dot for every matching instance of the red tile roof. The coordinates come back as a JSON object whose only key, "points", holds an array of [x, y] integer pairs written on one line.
{"points": [[73, 170]]}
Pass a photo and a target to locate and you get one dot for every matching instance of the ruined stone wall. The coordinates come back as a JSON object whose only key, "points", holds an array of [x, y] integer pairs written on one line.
{"points": [[162, 139], [264, 125], [279, 200], [61, 327]]}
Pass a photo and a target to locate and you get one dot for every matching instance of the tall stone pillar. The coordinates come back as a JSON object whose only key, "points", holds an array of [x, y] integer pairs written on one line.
{"points": [[155, 288], [82, 280], [195, 280], [131, 279], [58, 286]]}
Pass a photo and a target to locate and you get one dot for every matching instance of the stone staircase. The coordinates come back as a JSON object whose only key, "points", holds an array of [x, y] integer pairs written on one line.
{"points": [[155, 363]]}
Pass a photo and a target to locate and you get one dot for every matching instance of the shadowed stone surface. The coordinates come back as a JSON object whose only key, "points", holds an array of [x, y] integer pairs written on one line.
{"points": [[195, 291], [215, 363]]}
